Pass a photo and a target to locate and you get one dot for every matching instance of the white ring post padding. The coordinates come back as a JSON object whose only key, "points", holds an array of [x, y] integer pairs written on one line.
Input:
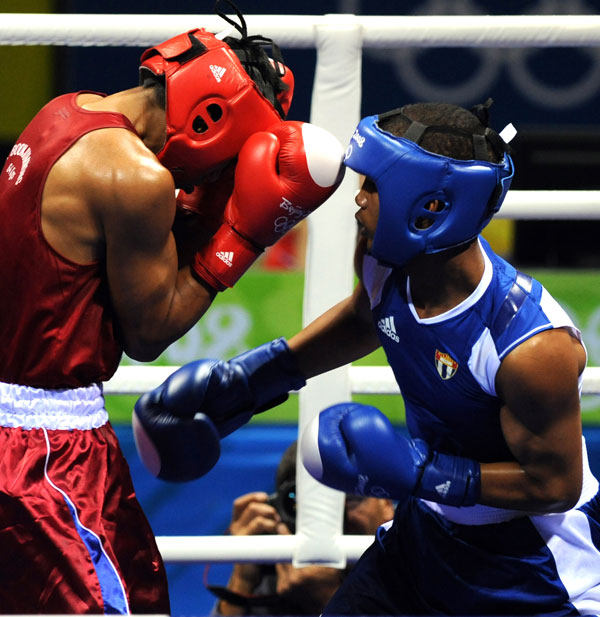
{"points": [[336, 107], [300, 31]]}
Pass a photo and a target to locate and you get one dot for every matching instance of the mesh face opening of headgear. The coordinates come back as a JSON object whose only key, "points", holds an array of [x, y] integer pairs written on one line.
{"points": [[429, 202], [218, 93]]}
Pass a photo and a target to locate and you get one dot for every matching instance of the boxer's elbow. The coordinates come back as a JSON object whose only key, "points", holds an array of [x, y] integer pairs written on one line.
{"points": [[559, 493], [143, 355], [565, 496], [143, 348]]}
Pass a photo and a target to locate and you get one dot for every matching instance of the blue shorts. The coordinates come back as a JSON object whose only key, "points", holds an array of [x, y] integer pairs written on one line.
{"points": [[426, 565]]}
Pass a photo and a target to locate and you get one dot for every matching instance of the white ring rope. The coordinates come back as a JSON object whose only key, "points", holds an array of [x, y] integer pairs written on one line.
{"points": [[363, 379], [545, 205], [300, 31], [339, 40], [225, 549]]}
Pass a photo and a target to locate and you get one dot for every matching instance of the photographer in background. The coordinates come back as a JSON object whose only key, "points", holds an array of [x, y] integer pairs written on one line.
{"points": [[282, 589]]}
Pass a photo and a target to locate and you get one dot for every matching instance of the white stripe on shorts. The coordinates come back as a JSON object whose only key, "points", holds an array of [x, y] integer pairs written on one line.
{"points": [[568, 536]]}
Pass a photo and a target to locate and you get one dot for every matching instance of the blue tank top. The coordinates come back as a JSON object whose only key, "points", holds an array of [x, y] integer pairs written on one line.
{"points": [[446, 365]]}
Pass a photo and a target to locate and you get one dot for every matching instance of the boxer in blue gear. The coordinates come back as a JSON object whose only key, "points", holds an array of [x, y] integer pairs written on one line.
{"points": [[498, 511]]}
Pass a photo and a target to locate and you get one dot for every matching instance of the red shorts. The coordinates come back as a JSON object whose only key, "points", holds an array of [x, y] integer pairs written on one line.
{"points": [[73, 537]]}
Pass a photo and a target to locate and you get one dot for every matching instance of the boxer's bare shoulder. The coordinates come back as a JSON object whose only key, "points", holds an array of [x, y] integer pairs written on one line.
{"points": [[106, 170]]}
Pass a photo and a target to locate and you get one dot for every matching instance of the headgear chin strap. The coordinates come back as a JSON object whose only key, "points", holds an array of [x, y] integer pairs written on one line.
{"points": [[212, 104], [408, 178]]}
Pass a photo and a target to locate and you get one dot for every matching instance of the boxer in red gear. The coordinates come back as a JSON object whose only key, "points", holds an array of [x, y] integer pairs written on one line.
{"points": [[90, 269]]}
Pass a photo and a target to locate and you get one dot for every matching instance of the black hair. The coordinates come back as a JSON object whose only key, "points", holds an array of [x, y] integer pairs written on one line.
{"points": [[251, 53], [446, 129]]}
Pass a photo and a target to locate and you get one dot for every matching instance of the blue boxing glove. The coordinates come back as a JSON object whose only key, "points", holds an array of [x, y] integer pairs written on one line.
{"points": [[178, 426], [174, 448], [354, 448]]}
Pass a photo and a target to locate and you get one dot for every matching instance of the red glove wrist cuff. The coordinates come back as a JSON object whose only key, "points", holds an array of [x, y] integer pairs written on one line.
{"points": [[223, 260]]}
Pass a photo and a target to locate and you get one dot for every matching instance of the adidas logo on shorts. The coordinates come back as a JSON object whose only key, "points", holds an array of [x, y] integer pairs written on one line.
{"points": [[388, 327], [217, 71], [226, 257]]}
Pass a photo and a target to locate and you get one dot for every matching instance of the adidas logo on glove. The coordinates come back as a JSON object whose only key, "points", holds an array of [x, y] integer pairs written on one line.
{"points": [[226, 257]]}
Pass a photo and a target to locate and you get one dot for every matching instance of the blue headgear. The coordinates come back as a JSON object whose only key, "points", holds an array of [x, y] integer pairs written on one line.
{"points": [[408, 178]]}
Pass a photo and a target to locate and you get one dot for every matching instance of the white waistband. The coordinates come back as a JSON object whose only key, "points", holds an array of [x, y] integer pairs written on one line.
{"points": [[69, 408], [486, 515]]}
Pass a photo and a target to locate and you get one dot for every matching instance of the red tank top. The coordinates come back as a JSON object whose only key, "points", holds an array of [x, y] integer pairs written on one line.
{"points": [[56, 326]]}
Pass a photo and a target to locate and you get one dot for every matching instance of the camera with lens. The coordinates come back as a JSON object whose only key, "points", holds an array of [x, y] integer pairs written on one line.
{"points": [[284, 501]]}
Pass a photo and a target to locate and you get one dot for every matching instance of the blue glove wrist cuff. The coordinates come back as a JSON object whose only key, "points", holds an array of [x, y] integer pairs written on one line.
{"points": [[451, 480], [271, 370]]}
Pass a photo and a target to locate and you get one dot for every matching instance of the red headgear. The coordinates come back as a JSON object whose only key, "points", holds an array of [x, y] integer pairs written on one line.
{"points": [[212, 104]]}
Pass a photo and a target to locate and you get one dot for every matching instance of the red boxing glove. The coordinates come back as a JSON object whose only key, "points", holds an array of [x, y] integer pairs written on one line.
{"points": [[281, 177]]}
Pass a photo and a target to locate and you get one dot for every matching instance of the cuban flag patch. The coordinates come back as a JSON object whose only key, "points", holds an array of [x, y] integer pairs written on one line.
{"points": [[446, 365]]}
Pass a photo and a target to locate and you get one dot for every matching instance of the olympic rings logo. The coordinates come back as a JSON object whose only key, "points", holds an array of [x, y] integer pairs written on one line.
{"points": [[517, 62], [282, 224]]}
